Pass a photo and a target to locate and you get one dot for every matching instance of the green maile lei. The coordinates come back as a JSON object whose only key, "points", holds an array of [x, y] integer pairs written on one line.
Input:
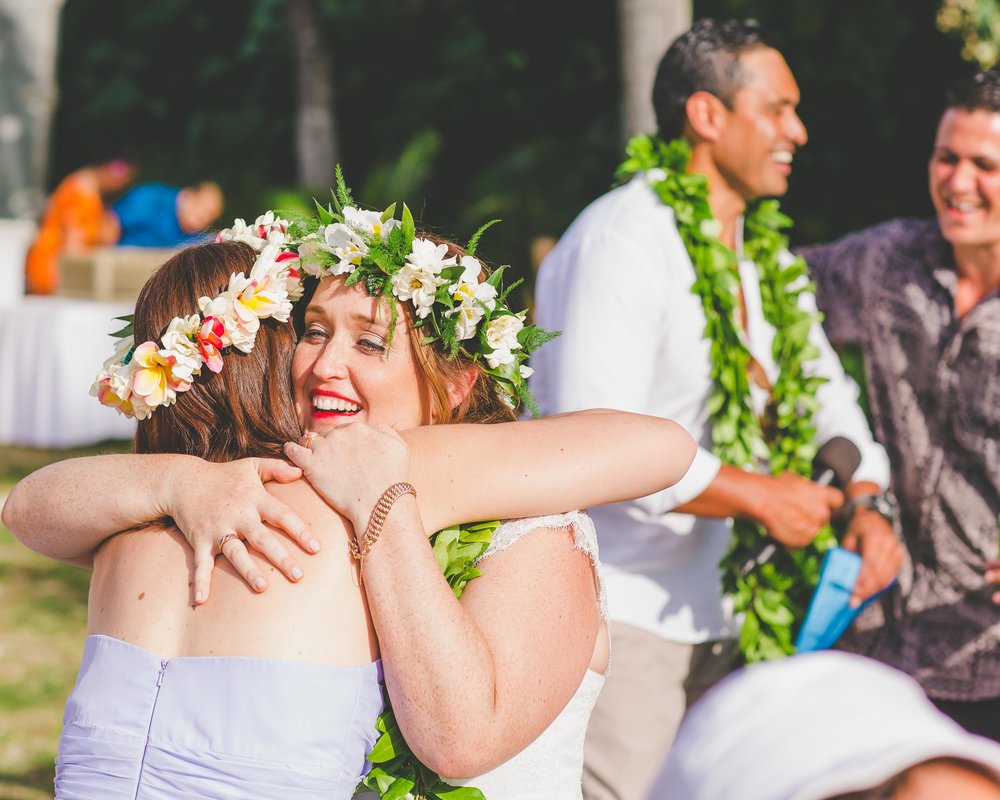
{"points": [[396, 773], [774, 596]]}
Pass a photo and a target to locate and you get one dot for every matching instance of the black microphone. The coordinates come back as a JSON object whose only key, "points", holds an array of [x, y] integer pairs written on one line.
{"points": [[835, 463]]}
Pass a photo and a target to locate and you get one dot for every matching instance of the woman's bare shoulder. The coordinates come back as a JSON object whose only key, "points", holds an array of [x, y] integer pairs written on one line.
{"points": [[307, 503]]}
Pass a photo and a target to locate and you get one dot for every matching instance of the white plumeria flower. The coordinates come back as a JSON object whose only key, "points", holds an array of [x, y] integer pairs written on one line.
{"points": [[429, 257], [347, 245], [369, 222], [655, 175], [474, 298], [501, 335], [710, 228], [418, 286], [238, 233], [177, 342], [266, 292]]}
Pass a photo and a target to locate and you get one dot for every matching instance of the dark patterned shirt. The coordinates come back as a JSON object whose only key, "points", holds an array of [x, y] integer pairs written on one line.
{"points": [[934, 386]]}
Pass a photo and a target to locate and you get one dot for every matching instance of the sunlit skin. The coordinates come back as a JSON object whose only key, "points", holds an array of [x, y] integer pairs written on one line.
{"points": [[964, 178], [940, 780], [747, 150], [345, 370]]}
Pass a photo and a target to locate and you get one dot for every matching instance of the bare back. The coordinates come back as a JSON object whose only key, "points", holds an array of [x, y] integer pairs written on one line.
{"points": [[141, 593]]}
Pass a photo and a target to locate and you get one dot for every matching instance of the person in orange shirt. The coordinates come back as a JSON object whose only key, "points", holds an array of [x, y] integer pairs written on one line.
{"points": [[75, 219]]}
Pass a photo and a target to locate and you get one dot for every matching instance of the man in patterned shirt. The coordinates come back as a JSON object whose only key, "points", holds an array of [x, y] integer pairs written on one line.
{"points": [[922, 299]]}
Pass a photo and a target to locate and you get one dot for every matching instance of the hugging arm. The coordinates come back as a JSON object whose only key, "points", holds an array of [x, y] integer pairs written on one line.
{"points": [[473, 681], [466, 472], [65, 510]]}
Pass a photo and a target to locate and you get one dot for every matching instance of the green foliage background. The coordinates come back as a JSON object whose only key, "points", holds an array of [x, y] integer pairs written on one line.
{"points": [[476, 109]]}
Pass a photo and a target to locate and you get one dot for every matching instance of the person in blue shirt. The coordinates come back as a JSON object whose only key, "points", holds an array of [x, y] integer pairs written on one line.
{"points": [[158, 215]]}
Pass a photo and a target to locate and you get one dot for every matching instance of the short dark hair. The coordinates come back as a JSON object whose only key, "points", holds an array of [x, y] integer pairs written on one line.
{"points": [[704, 59], [977, 92], [245, 410]]}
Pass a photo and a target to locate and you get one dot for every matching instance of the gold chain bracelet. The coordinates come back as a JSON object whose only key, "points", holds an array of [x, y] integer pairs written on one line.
{"points": [[378, 517]]}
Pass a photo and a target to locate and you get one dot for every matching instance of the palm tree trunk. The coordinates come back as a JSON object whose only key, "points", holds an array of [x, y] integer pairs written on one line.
{"points": [[316, 132], [646, 29]]}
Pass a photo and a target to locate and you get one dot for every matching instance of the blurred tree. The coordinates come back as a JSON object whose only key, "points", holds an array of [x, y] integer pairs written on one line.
{"points": [[316, 131], [977, 24], [646, 28]]}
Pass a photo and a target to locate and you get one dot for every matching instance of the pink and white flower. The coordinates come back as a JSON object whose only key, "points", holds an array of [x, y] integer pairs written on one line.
{"points": [[153, 379], [179, 342], [210, 342]]}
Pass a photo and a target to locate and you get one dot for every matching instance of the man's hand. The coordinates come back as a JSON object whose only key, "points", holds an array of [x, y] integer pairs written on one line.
{"points": [[993, 578], [793, 509], [870, 534], [208, 501]]}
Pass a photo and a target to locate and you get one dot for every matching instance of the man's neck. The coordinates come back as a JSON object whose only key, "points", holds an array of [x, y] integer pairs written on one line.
{"points": [[727, 204], [978, 274]]}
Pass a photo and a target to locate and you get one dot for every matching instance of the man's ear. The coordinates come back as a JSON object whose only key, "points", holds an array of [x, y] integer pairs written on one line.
{"points": [[706, 116]]}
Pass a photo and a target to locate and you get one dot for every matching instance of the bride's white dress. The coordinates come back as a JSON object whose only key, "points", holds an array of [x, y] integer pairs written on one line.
{"points": [[551, 767]]}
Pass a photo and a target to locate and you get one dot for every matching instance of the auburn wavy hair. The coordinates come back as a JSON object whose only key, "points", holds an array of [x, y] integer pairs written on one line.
{"points": [[244, 410]]}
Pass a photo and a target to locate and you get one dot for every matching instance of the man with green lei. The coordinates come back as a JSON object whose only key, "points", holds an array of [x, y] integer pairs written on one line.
{"points": [[677, 297]]}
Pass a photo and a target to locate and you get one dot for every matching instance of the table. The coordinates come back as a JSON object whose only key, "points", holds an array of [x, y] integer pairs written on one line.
{"points": [[51, 348]]}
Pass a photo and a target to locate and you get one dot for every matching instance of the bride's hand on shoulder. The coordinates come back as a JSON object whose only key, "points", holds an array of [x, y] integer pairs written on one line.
{"points": [[351, 465], [222, 507]]}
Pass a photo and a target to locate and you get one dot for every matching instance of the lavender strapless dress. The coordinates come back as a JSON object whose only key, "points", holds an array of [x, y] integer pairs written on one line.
{"points": [[143, 728]]}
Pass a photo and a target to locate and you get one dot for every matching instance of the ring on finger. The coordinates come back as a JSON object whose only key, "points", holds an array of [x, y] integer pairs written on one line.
{"points": [[307, 438], [227, 538]]}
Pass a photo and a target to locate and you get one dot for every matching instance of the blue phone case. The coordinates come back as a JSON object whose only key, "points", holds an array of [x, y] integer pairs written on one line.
{"points": [[829, 615]]}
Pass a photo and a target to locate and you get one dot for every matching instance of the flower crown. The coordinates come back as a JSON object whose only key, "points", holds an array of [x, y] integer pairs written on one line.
{"points": [[136, 380], [376, 250]]}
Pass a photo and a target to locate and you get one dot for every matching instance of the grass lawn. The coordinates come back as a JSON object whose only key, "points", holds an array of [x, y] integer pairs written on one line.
{"points": [[43, 620]]}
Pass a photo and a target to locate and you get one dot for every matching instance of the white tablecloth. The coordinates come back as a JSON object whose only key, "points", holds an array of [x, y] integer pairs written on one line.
{"points": [[51, 348]]}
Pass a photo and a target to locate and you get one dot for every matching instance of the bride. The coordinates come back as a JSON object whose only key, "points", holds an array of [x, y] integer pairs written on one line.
{"points": [[276, 694]]}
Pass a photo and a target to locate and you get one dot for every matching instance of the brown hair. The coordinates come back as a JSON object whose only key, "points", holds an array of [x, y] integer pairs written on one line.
{"points": [[246, 409], [440, 369]]}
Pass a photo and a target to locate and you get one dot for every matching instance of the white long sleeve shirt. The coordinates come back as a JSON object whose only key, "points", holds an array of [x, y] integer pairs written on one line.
{"points": [[618, 286]]}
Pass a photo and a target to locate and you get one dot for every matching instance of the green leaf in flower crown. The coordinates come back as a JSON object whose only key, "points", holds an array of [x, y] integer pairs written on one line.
{"points": [[342, 197], [470, 248], [325, 217], [128, 330], [387, 214], [408, 227]]}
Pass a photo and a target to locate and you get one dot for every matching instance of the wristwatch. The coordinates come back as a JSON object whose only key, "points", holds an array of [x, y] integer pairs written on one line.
{"points": [[884, 503]]}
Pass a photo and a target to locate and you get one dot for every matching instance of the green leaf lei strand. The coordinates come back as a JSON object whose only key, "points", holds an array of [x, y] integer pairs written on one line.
{"points": [[396, 773], [774, 596]]}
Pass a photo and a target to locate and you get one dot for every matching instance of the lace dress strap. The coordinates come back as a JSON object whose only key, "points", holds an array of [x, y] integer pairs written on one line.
{"points": [[584, 538]]}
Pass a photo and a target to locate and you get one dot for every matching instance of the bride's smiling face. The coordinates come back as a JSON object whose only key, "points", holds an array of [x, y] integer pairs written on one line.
{"points": [[344, 369]]}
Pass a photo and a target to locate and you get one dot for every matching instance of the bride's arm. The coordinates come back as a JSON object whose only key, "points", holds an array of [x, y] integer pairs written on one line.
{"points": [[475, 681], [65, 510], [518, 469]]}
